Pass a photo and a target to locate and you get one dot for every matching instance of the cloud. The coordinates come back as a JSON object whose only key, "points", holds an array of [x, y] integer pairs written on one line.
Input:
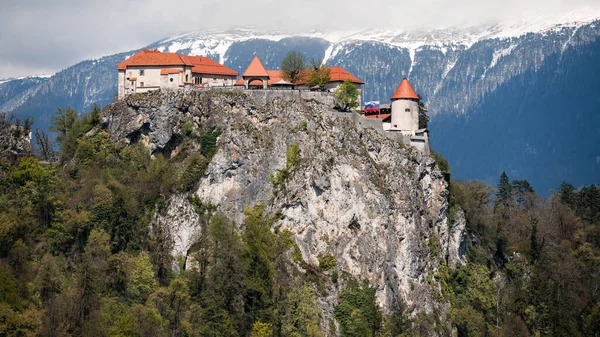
{"points": [[46, 36]]}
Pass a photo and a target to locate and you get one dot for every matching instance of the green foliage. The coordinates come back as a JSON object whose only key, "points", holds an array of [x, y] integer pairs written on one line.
{"points": [[259, 243], [301, 316], [354, 224], [504, 192], [432, 244], [19, 324], [585, 202], [326, 261], [319, 77], [468, 321], [79, 256], [200, 207], [297, 256], [260, 329], [292, 66], [71, 128], [140, 277], [303, 125], [442, 164], [193, 172], [292, 159], [208, 142], [8, 288], [187, 128], [347, 96], [357, 311]]}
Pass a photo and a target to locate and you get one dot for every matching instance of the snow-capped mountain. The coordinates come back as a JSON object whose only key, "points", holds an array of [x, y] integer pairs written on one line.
{"points": [[489, 88]]}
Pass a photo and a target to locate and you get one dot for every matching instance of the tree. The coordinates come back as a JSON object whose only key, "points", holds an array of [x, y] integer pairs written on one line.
{"points": [[347, 95], [259, 263], [260, 329], [522, 192], [63, 123], [292, 65], [91, 281], [504, 192], [44, 144], [140, 277], [319, 76], [301, 316], [357, 311]]}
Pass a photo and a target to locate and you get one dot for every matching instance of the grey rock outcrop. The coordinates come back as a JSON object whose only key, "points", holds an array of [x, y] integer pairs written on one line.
{"points": [[15, 140], [380, 209]]}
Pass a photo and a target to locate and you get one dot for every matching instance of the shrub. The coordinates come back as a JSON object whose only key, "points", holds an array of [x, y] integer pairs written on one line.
{"points": [[208, 142], [326, 261], [357, 311]]}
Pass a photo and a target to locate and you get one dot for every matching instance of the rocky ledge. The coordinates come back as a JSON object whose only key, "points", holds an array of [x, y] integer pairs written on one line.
{"points": [[380, 209]]}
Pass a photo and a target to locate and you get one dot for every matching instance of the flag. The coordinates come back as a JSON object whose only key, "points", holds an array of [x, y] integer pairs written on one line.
{"points": [[372, 106]]}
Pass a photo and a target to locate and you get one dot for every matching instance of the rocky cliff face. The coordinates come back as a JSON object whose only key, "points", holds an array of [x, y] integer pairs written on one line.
{"points": [[15, 140], [380, 209]]}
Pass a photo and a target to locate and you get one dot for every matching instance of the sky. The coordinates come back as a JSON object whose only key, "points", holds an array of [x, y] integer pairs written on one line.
{"points": [[45, 36]]}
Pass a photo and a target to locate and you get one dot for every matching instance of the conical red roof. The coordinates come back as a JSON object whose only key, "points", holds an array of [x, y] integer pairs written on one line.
{"points": [[255, 69], [405, 90]]}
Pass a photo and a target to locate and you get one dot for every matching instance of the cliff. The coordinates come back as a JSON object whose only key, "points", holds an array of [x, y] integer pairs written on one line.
{"points": [[15, 140], [380, 209]]}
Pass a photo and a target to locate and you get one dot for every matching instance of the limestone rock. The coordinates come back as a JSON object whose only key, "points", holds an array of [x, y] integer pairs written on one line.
{"points": [[379, 208]]}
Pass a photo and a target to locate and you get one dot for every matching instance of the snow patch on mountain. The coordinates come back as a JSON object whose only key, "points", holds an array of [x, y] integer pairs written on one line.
{"points": [[497, 55]]}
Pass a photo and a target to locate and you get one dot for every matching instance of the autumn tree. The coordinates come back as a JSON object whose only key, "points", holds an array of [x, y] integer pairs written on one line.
{"points": [[292, 66], [319, 76]]}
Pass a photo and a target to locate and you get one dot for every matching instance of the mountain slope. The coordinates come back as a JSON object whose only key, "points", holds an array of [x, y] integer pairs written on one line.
{"points": [[530, 129], [457, 72]]}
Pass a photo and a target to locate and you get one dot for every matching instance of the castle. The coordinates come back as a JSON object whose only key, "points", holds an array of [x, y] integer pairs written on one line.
{"points": [[405, 117], [150, 70]]}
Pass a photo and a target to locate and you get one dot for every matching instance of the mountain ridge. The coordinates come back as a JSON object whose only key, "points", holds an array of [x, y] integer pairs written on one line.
{"points": [[453, 81]]}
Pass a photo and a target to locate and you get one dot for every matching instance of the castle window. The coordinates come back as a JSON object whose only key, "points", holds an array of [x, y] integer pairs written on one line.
{"points": [[171, 79], [186, 77], [407, 110], [141, 72], [141, 84]]}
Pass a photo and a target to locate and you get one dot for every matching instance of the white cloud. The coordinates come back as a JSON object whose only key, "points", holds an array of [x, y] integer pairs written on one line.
{"points": [[51, 35]]}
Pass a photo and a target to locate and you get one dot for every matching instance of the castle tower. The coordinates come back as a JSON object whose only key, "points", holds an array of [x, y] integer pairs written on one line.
{"points": [[255, 71], [405, 108]]}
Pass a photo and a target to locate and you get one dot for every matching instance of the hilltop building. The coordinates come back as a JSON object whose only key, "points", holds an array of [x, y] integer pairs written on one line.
{"points": [[404, 117], [256, 77], [151, 70]]}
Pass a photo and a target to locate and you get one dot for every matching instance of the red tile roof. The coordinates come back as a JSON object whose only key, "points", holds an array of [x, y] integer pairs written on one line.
{"points": [[380, 116], [207, 66], [167, 71], [152, 58], [339, 74], [255, 69], [274, 77], [336, 74], [132, 79], [405, 90], [259, 83]]}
